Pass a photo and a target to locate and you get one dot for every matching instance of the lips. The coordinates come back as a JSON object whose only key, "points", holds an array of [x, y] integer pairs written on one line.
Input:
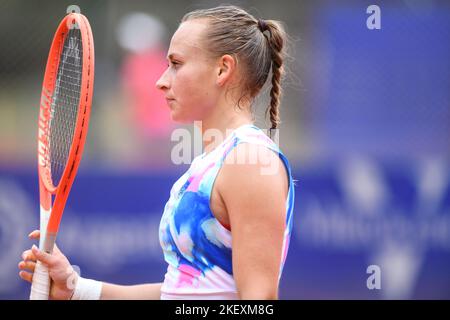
{"points": [[169, 101]]}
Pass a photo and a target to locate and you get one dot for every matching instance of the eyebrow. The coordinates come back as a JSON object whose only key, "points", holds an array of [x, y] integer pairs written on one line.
{"points": [[172, 55]]}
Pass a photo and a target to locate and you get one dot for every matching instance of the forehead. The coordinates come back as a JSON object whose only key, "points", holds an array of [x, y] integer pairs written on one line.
{"points": [[187, 40]]}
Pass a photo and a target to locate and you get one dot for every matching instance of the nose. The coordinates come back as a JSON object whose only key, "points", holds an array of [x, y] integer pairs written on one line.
{"points": [[163, 82]]}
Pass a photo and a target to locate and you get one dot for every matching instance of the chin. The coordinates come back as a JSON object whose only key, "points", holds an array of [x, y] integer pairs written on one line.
{"points": [[179, 118]]}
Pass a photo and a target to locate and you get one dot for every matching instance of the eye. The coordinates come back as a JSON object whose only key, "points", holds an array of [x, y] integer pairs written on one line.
{"points": [[175, 64]]}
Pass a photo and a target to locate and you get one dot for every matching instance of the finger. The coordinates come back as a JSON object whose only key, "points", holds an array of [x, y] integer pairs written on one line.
{"points": [[34, 234], [26, 276], [28, 255], [27, 265], [42, 256]]}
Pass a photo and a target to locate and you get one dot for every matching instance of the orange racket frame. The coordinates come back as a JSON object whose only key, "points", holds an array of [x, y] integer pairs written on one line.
{"points": [[50, 216]]}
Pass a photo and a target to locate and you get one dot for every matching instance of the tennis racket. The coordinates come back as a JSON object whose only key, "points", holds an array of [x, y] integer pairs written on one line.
{"points": [[63, 124]]}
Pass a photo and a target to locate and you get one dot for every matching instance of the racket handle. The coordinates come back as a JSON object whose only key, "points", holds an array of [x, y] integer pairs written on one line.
{"points": [[40, 287]]}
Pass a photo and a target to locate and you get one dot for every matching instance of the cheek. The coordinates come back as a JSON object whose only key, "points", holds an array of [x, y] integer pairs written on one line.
{"points": [[195, 91]]}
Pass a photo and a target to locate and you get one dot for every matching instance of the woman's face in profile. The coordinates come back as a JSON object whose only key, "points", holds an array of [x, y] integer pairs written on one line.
{"points": [[189, 83]]}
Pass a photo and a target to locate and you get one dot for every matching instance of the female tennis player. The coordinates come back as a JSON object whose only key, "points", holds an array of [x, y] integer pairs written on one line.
{"points": [[226, 227]]}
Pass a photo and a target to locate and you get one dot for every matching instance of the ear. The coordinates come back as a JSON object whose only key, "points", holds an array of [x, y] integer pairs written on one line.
{"points": [[225, 70]]}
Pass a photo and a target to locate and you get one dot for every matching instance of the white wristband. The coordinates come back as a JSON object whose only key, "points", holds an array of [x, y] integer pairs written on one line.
{"points": [[87, 289]]}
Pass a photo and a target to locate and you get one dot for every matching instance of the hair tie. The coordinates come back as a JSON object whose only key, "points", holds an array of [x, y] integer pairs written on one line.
{"points": [[262, 25]]}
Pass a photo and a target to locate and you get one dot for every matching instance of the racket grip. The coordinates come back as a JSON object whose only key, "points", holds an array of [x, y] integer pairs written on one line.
{"points": [[40, 287]]}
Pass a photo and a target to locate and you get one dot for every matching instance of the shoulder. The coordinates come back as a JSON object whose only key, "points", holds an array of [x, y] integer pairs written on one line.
{"points": [[251, 172]]}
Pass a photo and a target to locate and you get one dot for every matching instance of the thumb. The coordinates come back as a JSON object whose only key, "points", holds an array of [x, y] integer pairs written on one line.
{"points": [[56, 252], [56, 249], [42, 256]]}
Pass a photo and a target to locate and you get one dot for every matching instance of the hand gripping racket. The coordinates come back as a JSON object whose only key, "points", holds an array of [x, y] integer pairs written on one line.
{"points": [[63, 123]]}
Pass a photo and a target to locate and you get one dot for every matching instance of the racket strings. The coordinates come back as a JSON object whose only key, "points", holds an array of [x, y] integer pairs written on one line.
{"points": [[64, 106]]}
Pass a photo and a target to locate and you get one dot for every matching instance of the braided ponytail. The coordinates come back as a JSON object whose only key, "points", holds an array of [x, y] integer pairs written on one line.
{"points": [[276, 42]]}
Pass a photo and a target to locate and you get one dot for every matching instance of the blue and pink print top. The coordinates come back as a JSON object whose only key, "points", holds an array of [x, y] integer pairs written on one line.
{"points": [[196, 246]]}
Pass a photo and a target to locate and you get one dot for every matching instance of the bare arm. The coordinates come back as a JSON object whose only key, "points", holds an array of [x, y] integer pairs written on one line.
{"points": [[255, 201], [148, 291]]}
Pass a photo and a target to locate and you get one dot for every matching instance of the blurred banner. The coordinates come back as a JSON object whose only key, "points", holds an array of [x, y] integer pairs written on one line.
{"points": [[348, 217], [383, 93]]}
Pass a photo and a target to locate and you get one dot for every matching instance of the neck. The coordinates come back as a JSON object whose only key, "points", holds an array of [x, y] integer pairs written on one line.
{"points": [[219, 125]]}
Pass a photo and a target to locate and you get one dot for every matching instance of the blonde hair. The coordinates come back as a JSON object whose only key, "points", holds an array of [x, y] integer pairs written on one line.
{"points": [[258, 44]]}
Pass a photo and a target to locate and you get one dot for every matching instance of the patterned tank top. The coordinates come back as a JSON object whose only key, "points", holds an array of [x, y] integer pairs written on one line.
{"points": [[196, 246]]}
